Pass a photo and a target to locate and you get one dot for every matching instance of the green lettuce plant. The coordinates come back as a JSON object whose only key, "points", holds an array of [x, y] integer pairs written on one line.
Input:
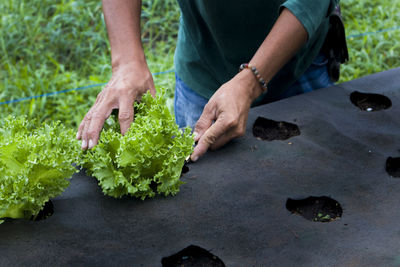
{"points": [[148, 159], [35, 165]]}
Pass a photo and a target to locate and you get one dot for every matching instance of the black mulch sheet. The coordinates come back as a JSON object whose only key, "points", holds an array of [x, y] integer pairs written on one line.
{"points": [[248, 204]]}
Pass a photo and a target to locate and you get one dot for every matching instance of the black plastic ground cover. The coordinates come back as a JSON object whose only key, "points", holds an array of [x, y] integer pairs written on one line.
{"points": [[233, 202]]}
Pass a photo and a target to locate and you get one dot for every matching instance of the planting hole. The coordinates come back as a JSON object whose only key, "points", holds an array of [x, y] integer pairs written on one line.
{"points": [[269, 130], [393, 166], [192, 256], [185, 169], [45, 213], [316, 209], [370, 102]]}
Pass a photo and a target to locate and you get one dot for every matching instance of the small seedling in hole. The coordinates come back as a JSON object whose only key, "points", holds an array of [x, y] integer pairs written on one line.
{"points": [[46, 212], [192, 256], [327, 217], [317, 209], [269, 130], [370, 102]]}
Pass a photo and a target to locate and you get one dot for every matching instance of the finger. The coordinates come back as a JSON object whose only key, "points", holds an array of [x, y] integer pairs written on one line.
{"points": [[205, 121], [152, 89], [84, 121], [209, 138], [98, 118], [80, 129], [125, 113], [86, 124], [222, 140]]}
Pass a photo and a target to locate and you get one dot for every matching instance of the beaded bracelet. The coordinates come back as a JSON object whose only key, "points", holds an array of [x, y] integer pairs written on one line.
{"points": [[256, 73]]}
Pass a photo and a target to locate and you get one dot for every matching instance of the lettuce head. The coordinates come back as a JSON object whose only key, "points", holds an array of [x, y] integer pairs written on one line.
{"points": [[148, 159], [35, 165]]}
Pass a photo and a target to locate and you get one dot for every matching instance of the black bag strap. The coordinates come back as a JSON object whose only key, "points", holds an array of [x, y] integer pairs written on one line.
{"points": [[335, 46]]}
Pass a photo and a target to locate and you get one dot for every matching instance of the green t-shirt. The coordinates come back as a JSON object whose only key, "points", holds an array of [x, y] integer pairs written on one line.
{"points": [[216, 36]]}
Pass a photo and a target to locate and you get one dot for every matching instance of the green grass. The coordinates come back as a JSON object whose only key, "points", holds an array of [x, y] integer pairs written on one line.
{"points": [[372, 53], [47, 46]]}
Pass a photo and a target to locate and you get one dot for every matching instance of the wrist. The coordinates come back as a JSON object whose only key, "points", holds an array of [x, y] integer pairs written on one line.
{"points": [[123, 60], [132, 73], [250, 83], [129, 66]]}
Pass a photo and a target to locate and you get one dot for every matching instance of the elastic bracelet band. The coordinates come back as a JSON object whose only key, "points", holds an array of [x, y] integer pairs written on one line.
{"points": [[256, 73]]}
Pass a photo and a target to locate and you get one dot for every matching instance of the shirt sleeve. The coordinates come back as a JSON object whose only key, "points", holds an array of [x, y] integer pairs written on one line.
{"points": [[311, 13]]}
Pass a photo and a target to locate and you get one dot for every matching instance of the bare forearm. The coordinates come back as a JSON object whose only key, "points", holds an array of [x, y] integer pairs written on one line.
{"points": [[225, 115], [286, 37], [123, 26], [131, 77]]}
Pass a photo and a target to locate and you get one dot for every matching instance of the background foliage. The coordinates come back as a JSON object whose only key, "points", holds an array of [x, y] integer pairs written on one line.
{"points": [[371, 53], [47, 46]]}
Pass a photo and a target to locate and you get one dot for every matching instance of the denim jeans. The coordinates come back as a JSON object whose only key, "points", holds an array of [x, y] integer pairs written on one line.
{"points": [[188, 105]]}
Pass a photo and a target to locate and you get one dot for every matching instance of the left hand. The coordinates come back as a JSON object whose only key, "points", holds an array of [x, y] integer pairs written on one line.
{"points": [[225, 115]]}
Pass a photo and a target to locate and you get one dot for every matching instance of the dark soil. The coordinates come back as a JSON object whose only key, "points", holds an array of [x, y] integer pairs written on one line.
{"points": [[393, 166], [316, 209], [185, 169], [370, 102], [269, 130], [192, 256], [45, 213]]}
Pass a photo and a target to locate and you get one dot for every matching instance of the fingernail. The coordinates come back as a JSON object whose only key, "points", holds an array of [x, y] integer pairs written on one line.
{"points": [[194, 158], [78, 135], [195, 134], [91, 145], [83, 144]]}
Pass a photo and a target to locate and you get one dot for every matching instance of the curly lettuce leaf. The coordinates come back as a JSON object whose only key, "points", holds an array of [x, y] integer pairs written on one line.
{"points": [[35, 165], [148, 159]]}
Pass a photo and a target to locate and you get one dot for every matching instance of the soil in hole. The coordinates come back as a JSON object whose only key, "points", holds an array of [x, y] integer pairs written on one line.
{"points": [[185, 168], [270, 130], [370, 102], [192, 256], [393, 166], [316, 209], [45, 213]]}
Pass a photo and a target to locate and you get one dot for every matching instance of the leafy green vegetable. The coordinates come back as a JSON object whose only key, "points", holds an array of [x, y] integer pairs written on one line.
{"points": [[35, 165], [148, 159]]}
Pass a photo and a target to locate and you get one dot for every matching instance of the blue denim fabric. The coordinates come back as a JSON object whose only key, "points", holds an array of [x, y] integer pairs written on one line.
{"points": [[315, 77], [188, 105]]}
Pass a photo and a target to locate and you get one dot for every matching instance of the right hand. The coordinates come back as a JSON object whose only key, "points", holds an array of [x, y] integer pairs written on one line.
{"points": [[127, 84]]}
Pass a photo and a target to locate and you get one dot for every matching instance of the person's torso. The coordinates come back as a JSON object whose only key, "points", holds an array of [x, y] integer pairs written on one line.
{"points": [[216, 36]]}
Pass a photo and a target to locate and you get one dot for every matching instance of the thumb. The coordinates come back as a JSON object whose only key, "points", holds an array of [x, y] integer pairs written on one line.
{"points": [[210, 137], [205, 121]]}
